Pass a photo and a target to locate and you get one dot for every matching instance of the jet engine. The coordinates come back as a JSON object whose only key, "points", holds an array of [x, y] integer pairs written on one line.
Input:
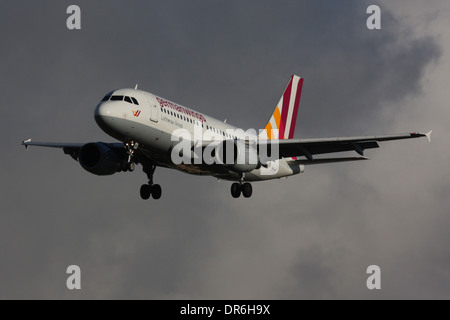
{"points": [[240, 156], [99, 159]]}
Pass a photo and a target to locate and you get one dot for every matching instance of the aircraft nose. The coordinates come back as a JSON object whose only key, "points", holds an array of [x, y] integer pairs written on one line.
{"points": [[102, 110], [103, 114]]}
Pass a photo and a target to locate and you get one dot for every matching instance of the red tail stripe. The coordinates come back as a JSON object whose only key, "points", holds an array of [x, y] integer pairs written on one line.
{"points": [[284, 113], [295, 111]]}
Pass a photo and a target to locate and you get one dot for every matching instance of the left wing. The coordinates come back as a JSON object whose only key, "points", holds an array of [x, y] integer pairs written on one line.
{"points": [[310, 147], [28, 143], [71, 149]]}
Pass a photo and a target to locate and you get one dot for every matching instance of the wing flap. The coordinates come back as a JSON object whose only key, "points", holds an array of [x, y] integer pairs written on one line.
{"points": [[310, 149], [328, 160]]}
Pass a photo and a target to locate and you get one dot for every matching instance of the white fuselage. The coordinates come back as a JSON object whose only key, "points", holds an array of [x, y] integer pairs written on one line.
{"points": [[154, 122]]}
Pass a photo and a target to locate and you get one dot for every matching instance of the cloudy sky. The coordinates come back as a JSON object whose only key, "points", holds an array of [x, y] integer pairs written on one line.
{"points": [[310, 236]]}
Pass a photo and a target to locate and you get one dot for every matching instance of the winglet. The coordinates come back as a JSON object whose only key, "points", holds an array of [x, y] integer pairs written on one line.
{"points": [[25, 143], [428, 135]]}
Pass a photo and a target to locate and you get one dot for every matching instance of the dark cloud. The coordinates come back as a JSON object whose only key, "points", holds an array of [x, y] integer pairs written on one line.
{"points": [[311, 236]]}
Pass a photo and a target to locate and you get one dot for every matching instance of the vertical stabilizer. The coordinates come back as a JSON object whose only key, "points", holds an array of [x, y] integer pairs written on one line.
{"points": [[281, 124]]}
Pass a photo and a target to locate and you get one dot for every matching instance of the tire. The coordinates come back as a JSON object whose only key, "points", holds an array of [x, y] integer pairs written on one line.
{"points": [[145, 191], [131, 166], [247, 190], [156, 191], [235, 190]]}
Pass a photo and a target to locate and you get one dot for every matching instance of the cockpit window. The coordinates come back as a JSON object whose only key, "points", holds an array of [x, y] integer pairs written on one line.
{"points": [[110, 97], [127, 99], [106, 98], [116, 98]]}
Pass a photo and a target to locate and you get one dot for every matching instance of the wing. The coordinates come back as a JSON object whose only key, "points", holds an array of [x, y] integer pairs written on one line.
{"points": [[310, 147], [71, 149], [28, 143]]}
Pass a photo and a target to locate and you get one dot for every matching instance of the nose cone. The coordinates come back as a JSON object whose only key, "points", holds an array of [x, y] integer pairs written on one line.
{"points": [[102, 110], [104, 116]]}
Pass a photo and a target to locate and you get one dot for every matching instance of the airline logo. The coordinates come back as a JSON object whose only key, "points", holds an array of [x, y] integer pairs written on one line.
{"points": [[136, 113], [167, 104], [282, 123]]}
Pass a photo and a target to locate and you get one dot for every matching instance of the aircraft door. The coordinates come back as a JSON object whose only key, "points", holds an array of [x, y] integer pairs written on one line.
{"points": [[154, 111], [154, 115]]}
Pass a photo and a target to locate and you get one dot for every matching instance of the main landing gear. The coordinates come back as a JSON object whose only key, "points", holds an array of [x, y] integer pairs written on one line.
{"points": [[245, 188], [150, 189]]}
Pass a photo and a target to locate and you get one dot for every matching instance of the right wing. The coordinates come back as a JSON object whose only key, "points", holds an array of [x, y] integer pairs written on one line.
{"points": [[311, 147]]}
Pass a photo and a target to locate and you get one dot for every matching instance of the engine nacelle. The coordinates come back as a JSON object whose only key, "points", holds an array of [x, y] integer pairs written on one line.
{"points": [[99, 159], [239, 156]]}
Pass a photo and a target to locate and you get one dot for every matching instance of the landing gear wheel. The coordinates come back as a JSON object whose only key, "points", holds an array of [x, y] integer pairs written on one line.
{"points": [[235, 190], [150, 189], [247, 190], [131, 166], [146, 191], [156, 191], [130, 147]]}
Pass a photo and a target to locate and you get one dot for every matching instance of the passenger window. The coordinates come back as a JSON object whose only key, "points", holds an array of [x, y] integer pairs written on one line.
{"points": [[127, 99], [135, 101], [116, 98]]}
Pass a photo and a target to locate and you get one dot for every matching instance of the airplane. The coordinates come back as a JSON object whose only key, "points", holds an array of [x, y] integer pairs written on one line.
{"points": [[150, 129]]}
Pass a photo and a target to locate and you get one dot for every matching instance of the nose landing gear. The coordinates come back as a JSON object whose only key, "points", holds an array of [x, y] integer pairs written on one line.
{"points": [[130, 147], [147, 190]]}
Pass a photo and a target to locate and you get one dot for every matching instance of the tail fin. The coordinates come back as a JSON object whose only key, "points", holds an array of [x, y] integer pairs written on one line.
{"points": [[281, 124]]}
